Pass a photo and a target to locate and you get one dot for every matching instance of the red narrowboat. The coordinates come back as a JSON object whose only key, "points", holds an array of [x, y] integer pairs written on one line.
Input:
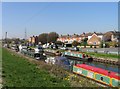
{"points": [[98, 74]]}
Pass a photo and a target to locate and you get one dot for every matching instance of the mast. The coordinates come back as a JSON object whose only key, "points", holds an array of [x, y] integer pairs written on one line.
{"points": [[25, 34], [5, 37]]}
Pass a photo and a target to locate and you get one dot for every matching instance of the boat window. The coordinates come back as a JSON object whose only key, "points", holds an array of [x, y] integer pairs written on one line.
{"points": [[101, 78], [37, 55]]}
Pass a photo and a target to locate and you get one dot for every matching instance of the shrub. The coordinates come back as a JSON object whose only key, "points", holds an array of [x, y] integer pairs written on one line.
{"points": [[75, 43], [90, 46]]}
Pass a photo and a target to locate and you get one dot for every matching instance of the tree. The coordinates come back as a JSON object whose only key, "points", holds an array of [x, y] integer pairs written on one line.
{"points": [[107, 36], [58, 42], [43, 38], [16, 40], [52, 37], [75, 43], [101, 44], [84, 41]]}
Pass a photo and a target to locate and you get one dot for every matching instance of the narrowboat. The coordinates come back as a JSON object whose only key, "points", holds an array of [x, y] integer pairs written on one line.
{"points": [[36, 53], [49, 52], [63, 62], [98, 74], [52, 52], [60, 61], [78, 56]]}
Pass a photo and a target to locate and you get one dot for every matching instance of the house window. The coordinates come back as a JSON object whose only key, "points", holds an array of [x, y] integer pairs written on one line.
{"points": [[94, 43]]}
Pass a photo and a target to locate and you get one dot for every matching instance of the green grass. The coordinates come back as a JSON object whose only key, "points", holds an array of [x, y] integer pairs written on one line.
{"points": [[112, 56], [18, 72]]}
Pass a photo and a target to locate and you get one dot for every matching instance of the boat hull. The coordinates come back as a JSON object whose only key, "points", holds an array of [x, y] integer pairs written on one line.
{"points": [[104, 79]]}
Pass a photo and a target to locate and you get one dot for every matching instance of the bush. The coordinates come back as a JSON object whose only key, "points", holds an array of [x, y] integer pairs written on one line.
{"points": [[113, 44], [107, 45], [75, 43], [101, 45], [90, 46]]}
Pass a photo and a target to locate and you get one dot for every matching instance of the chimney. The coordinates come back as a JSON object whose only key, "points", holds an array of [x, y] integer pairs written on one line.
{"points": [[83, 33]]}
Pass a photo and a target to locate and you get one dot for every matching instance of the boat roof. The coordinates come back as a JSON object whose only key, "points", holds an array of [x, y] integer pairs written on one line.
{"points": [[100, 71]]}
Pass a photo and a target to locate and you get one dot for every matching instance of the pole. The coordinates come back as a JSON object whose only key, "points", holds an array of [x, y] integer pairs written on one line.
{"points": [[25, 34], [5, 37]]}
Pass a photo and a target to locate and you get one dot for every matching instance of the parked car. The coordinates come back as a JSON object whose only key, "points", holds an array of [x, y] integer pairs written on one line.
{"points": [[64, 48], [74, 49]]}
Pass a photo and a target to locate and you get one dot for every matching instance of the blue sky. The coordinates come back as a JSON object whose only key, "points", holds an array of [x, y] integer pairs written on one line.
{"points": [[63, 17]]}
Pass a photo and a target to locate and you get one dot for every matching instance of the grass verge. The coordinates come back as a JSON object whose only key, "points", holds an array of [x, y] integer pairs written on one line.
{"points": [[19, 72], [102, 55]]}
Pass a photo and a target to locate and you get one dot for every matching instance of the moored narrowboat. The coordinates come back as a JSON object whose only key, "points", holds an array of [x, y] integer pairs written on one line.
{"points": [[98, 74], [78, 56]]}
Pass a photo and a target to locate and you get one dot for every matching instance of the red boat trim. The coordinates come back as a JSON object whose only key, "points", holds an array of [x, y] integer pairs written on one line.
{"points": [[100, 71]]}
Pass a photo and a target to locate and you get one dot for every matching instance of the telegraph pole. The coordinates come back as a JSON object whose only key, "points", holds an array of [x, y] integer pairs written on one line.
{"points": [[5, 37], [25, 34]]}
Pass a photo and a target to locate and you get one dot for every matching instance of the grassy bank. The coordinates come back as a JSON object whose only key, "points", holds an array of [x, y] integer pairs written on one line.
{"points": [[19, 72], [102, 55]]}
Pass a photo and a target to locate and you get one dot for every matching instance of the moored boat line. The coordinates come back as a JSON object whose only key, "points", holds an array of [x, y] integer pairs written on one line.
{"points": [[98, 81], [80, 56]]}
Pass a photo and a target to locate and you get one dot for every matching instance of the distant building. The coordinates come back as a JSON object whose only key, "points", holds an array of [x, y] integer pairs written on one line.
{"points": [[75, 37], [100, 35], [33, 40], [30, 40], [112, 36], [85, 35], [69, 38], [94, 39]]}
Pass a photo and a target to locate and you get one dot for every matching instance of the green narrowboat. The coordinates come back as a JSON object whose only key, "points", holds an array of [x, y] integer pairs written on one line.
{"points": [[78, 56]]}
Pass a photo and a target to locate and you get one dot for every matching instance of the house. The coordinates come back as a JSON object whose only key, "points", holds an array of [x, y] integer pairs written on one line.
{"points": [[85, 35], [112, 36], [94, 39], [69, 38], [33, 40], [100, 35], [75, 37]]}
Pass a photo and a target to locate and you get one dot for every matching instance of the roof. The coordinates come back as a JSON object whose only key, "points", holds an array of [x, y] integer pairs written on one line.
{"points": [[100, 70], [93, 39], [86, 34], [112, 33]]}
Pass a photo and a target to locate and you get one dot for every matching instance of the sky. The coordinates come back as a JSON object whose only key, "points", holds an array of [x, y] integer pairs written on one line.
{"points": [[60, 17]]}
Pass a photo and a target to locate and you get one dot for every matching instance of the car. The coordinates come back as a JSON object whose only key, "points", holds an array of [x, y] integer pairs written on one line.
{"points": [[76, 48], [64, 48]]}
